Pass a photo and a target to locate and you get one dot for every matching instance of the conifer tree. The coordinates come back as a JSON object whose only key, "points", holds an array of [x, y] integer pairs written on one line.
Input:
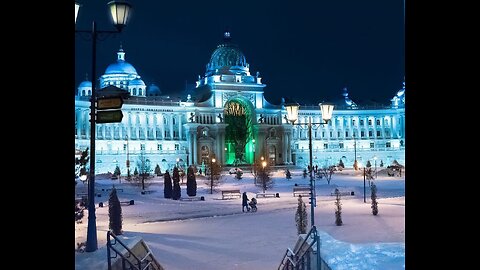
{"points": [[368, 165], [117, 171], [177, 192], [381, 163], [167, 185], [340, 164], [338, 209], [115, 213], [301, 216], [288, 175], [158, 171], [373, 196], [135, 172], [191, 182]]}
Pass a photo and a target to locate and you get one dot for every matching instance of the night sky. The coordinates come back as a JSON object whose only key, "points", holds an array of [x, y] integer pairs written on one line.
{"points": [[304, 50]]}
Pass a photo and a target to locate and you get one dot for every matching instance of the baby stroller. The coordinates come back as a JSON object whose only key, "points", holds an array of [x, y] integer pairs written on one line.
{"points": [[253, 205]]}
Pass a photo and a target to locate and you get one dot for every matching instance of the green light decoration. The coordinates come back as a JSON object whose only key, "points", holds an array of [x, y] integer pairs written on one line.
{"points": [[239, 132]]}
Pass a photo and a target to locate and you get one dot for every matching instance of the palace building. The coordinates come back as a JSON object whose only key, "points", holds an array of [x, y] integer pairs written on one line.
{"points": [[226, 116]]}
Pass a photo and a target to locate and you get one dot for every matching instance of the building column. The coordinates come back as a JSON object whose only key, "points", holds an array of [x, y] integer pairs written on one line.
{"points": [[171, 126], [179, 126], [87, 128], [394, 127], [195, 154]]}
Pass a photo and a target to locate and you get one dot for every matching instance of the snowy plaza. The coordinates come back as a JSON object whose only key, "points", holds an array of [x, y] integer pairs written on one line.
{"points": [[216, 234]]}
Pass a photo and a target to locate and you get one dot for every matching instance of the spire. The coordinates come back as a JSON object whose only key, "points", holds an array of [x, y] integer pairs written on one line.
{"points": [[345, 92], [226, 35], [86, 76], [120, 54]]}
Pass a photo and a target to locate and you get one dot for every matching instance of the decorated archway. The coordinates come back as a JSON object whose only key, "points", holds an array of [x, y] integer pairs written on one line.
{"points": [[239, 147]]}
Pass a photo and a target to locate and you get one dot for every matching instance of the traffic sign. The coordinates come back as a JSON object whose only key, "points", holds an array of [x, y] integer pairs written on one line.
{"points": [[104, 103], [112, 116]]}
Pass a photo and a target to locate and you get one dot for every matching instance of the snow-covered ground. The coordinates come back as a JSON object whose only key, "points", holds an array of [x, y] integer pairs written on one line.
{"points": [[216, 234]]}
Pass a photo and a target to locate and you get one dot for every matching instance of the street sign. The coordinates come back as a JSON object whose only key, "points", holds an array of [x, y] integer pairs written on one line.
{"points": [[113, 116], [104, 103]]}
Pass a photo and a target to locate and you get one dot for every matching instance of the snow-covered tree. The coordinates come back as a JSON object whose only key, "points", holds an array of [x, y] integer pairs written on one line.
{"points": [[341, 166], [264, 179], [301, 218], [158, 171], [355, 165], [115, 213], [373, 196], [191, 182], [381, 163], [338, 208], [81, 164], [167, 185], [368, 165], [177, 192], [117, 171], [135, 172]]}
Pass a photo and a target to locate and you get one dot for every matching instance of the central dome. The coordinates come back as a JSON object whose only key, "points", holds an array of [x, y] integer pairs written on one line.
{"points": [[121, 66], [227, 59]]}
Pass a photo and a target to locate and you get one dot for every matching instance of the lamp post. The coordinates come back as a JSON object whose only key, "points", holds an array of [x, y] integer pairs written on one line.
{"points": [[292, 116], [375, 158], [253, 164], [211, 175], [128, 160], [355, 164], [120, 11]]}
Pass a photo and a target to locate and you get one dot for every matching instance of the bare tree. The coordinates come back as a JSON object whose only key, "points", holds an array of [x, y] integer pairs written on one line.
{"points": [[144, 169], [326, 172]]}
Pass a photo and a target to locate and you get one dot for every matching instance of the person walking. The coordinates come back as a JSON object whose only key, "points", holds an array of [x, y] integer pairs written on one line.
{"points": [[245, 202]]}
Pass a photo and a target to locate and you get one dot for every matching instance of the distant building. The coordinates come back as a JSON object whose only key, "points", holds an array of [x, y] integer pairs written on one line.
{"points": [[227, 116]]}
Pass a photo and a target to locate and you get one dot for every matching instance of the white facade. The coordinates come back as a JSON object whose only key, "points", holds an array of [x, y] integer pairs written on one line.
{"points": [[188, 130]]}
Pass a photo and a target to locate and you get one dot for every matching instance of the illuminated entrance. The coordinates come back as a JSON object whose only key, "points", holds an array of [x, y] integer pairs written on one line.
{"points": [[238, 133]]}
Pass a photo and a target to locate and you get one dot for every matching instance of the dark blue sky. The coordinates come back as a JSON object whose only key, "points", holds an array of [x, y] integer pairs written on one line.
{"points": [[305, 50]]}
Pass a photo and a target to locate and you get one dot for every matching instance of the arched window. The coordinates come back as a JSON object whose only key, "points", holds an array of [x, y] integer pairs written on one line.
{"points": [[140, 92], [83, 93], [89, 92], [134, 91]]}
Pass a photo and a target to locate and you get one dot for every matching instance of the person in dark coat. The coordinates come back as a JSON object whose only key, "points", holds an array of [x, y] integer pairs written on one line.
{"points": [[245, 202]]}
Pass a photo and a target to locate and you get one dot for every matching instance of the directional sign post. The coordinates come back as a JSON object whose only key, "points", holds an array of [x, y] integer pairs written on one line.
{"points": [[109, 103], [112, 116], [107, 110]]}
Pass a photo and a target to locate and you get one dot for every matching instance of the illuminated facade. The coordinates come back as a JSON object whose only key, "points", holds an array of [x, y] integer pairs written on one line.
{"points": [[228, 116]]}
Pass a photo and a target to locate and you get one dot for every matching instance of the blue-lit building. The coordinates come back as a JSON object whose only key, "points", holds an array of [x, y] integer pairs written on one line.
{"points": [[227, 116]]}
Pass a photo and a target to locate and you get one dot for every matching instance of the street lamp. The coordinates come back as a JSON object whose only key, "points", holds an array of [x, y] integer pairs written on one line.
{"points": [[211, 175], [292, 116], [253, 165], [119, 11], [375, 158]]}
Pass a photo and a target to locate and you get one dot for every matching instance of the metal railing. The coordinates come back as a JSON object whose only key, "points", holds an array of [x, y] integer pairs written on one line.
{"points": [[303, 259], [129, 261]]}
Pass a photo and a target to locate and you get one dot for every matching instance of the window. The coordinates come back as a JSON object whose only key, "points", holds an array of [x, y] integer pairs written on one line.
{"points": [[325, 145], [362, 133], [372, 145], [340, 145], [370, 133], [174, 134], [158, 133], [338, 134], [369, 122], [159, 147], [386, 122], [353, 122], [124, 147], [205, 132], [177, 147], [378, 121], [378, 133], [173, 120], [388, 144], [134, 91], [323, 134], [331, 134], [346, 133], [142, 146], [361, 122]]}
